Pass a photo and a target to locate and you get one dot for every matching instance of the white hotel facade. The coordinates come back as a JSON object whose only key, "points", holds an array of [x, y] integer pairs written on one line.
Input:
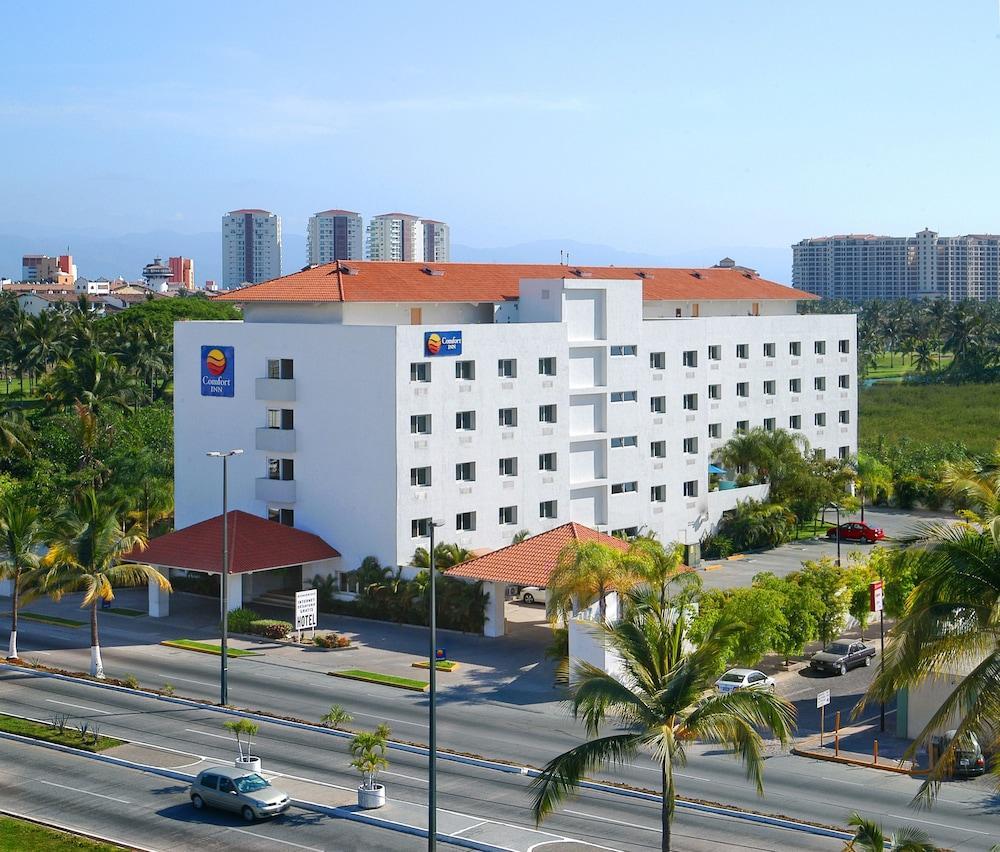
{"points": [[594, 395]]}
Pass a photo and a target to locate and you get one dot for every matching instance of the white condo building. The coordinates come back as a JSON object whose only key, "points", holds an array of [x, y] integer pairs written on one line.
{"points": [[437, 241], [335, 235], [373, 398], [251, 247], [396, 237]]}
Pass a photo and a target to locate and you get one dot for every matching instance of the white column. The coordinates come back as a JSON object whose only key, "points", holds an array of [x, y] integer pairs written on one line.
{"points": [[235, 591], [494, 625], [159, 600]]}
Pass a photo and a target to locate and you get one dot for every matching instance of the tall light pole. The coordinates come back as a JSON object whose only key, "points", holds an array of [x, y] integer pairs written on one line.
{"points": [[224, 575], [432, 722], [837, 507]]}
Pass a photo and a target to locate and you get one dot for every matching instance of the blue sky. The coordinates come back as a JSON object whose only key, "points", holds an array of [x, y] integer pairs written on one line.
{"points": [[651, 127]]}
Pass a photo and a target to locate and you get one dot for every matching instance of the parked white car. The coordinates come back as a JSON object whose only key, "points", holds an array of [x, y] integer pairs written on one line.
{"points": [[744, 679], [532, 595]]}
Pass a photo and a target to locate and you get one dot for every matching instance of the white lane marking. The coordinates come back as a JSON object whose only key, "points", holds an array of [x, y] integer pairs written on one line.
{"points": [[941, 824], [78, 706], [606, 819], [190, 680], [78, 790], [840, 781], [468, 828], [408, 777], [676, 774], [275, 839], [43, 653], [207, 734], [389, 719]]}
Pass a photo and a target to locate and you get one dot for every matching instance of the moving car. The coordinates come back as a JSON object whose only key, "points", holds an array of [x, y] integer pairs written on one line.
{"points": [[532, 594], [842, 655], [744, 679], [238, 790], [969, 758], [855, 531]]}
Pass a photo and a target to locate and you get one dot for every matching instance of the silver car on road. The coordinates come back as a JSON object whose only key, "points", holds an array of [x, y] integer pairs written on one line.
{"points": [[239, 790]]}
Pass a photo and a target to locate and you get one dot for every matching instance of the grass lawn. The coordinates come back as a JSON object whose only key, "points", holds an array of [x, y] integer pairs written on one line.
{"points": [[930, 414], [51, 619], [208, 648], [18, 835], [122, 610], [384, 679], [442, 665], [39, 731], [899, 364]]}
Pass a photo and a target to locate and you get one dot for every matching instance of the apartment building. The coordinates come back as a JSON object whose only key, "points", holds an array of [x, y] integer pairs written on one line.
{"points": [[859, 267], [251, 247], [437, 241], [396, 236], [181, 272], [372, 398], [335, 235], [44, 269]]}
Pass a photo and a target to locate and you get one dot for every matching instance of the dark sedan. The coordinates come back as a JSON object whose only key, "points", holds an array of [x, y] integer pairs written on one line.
{"points": [[840, 656], [857, 532]]}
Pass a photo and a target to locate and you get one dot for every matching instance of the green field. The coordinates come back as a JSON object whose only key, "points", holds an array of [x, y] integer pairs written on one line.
{"points": [[897, 365], [929, 414], [17, 836]]}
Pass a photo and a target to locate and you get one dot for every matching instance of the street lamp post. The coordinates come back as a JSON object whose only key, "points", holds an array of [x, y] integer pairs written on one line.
{"points": [[432, 722], [224, 575], [837, 507]]}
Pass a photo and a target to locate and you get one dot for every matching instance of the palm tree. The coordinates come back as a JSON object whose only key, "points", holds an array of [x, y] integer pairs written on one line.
{"points": [[93, 379], [15, 432], [21, 534], [587, 571], [520, 536], [85, 554], [873, 478], [771, 455], [975, 486], [445, 556], [869, 837], [664, 701]]}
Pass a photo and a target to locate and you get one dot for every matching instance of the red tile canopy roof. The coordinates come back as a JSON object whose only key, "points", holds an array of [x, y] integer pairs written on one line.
{"points": [[382, 281], [255, 544], [532, 561]]}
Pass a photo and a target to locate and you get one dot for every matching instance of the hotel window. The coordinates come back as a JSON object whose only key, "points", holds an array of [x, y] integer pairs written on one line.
{"points": [[420, 424], [508, 515], [715, 353], [546, 461], [795, 385], [546, 414], [420, 371], [819, 419], [690, 445], [768, 350], [742, 425], [795, 421], [715, 391], [626, 533], [280, 418], [546, 366], [286, 517], [658, 360], [689, 358], [624, 441], [420, 528], [624, 487], [547, 509], [743, 350], [770, 387], [795, 348], [465, 421], [844, 416], [714, 430], [844, 346], [465, 472], [508, 466], [690, 402], [624, 396], [420, 476], [617, 351], [844, 381], [658, 494], [819, 347], [658, 404], [743, 388], [465, 521], [819, 454], [465, 370], [281, 469], [507, 368], [819, 383], [658, 449], [844, 452], [508, 417], [280, 368], [691, 488], [769, 424]]}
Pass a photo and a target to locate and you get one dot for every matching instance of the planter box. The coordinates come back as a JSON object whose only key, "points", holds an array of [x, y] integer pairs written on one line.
{"points": [[370, 799], [250, 763]]}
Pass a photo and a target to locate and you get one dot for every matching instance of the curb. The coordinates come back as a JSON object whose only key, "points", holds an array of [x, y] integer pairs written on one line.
{"points": [[76, 832], [407, 687], [854, 761], [172, 643]]}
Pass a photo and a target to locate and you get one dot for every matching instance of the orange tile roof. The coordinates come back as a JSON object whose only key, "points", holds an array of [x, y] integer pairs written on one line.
{"points": [[532, 561], [383, 281]]}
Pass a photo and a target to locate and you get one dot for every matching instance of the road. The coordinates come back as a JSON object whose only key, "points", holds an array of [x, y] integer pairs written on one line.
{"points": [[493, 799]]}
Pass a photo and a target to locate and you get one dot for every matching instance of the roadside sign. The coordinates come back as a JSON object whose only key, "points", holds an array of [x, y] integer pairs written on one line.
{"points": [[306, 607], [440, 654], [875, 596], [822, 698]]}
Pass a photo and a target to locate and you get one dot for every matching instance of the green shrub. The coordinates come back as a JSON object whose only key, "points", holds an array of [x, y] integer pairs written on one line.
{"points": [[131, 681], [240, 619], [270, 628]]}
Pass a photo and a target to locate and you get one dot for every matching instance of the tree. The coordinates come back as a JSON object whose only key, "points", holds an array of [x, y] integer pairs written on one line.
{"points": [[974, 486], [586, 571], [664, 701], [445, 556], [368, 750], [15, 433], [870, 837], [859, 602], [85, 554], [799, 605], [826, 581], [759, 610], [754, 523], [91, 379], [243, 728], [338, 717], [21, 534], [874, 480], [768, 455]]}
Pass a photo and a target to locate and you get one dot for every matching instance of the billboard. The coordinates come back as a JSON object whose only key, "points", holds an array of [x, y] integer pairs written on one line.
{"points": [[217, 371], [442, 343]]}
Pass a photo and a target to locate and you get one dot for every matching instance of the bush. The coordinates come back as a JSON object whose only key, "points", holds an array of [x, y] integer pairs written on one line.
{"points": [[131, 681], [716, 547], [239, 620], [331, 640], [343, 642], [270, 628]]}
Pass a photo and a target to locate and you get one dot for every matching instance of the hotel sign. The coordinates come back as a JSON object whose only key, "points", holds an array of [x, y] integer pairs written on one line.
{"points": [[442, 343], [217, 370]]}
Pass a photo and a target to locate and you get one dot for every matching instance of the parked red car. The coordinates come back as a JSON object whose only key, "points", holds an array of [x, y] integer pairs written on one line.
{"points": [[857, 532]]}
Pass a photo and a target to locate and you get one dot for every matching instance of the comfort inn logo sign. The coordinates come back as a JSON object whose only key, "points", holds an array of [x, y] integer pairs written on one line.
{"points": [[443, 343], [217, 371]]}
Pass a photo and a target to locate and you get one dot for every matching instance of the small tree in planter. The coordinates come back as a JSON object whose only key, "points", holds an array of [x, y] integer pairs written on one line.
{"points": [[239, 729], [368, 750]]}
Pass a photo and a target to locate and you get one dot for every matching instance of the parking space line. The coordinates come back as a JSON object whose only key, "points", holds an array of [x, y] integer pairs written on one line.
{"points": [[608, 819]]}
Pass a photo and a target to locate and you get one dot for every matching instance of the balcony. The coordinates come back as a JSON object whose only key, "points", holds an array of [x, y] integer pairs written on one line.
{"points": [[275, 490], [275, 390], [276, 440]]}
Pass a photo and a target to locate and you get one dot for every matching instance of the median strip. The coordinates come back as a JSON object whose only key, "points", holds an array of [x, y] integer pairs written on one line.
{"points": [[383, 679], [208, 648], [61, 734], [22, 833], [51, 619], [442, 665]]}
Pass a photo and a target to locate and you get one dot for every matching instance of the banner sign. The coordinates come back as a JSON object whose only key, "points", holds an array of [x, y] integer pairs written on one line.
{"points": [[217, 371], [875, 596], [306, 609], [442, 343]]}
